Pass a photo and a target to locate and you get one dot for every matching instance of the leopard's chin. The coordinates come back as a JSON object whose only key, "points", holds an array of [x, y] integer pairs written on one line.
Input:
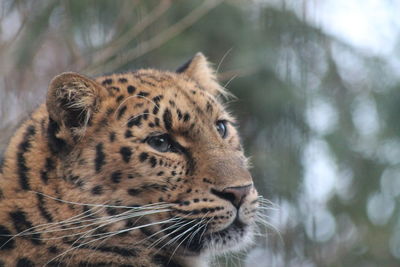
{"points": [[233, 238]]}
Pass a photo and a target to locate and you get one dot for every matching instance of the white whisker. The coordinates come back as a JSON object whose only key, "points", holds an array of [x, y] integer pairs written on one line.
{"points": [[28, 231], [106, 206], [88, 233]]}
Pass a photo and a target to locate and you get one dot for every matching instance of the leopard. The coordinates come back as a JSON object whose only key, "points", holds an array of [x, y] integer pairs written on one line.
{"points": [[142, 168]]}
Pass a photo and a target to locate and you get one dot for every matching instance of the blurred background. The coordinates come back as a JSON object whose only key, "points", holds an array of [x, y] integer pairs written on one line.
{"points": [[318, 88]]}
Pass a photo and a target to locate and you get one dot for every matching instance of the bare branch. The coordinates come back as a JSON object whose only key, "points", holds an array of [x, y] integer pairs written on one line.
{"points": [[159, 39], [118, 44]]}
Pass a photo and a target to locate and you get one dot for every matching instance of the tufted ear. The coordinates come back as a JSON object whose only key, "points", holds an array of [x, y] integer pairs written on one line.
{"points": [[72, 99], [199, 70]]}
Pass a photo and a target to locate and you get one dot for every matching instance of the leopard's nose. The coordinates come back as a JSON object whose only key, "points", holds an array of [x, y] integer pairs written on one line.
{"points": [[235, 195]]}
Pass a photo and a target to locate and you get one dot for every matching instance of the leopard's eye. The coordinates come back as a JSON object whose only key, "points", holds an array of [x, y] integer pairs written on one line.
{"points": [[161, 143], [222, 128]]}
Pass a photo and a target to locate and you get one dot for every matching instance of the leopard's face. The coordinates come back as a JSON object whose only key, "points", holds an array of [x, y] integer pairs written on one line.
{"points": [[164, 155]]}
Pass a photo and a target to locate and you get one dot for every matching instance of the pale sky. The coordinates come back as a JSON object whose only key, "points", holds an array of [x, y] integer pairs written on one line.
{"points": [[369, 25]]}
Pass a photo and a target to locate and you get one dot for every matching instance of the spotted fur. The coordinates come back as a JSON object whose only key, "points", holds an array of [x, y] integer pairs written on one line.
{"points": [[82, 185]]}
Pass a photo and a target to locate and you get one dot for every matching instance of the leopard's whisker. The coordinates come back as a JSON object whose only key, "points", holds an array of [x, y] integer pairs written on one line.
{"points": [[229, 81], [178, 221], [266, 202], [176, 230], [86, 243], [183, 240], [176, 238], [95, 220], [159, 240], [205, 229], [111, 234], [54, 227], [266, 209], [70, 221], [192, 235], [195, 233], [134, 228], [114, 219], [263, 221], [28, 231], [88, 233], [197, 230], [222, 59], [103, 205]]}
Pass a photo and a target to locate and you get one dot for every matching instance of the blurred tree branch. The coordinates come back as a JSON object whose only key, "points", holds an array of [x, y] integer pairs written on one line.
{"points": [[116, 45], [157, 41]]}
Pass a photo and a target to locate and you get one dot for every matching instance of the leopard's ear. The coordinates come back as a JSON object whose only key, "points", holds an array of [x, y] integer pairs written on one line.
{"points": [[198, 69], [72, 99]]}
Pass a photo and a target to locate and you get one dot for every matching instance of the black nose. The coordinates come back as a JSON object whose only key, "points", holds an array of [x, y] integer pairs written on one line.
{"points": [[235, 195]]}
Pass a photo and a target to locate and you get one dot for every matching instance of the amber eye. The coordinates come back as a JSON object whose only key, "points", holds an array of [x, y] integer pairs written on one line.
{"points": [[222, 128], [162, 143]]}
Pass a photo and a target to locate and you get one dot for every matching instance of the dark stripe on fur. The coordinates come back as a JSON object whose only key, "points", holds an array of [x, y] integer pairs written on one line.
{"points": [[42, 208], [126, 153], [121, 112], [100, 157], [167, 118], [21, 161], [21, 224], [116, 177], [56, 144], [134, 121], [25, 262], [5, 242], [49, 166]]}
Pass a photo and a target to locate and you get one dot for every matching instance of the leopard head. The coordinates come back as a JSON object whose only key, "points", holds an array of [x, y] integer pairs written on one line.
{"points": [[160, 152]]}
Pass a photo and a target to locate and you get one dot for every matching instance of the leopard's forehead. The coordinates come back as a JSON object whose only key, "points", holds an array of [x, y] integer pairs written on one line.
{"points": [[173, 101], [168, 85]]}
